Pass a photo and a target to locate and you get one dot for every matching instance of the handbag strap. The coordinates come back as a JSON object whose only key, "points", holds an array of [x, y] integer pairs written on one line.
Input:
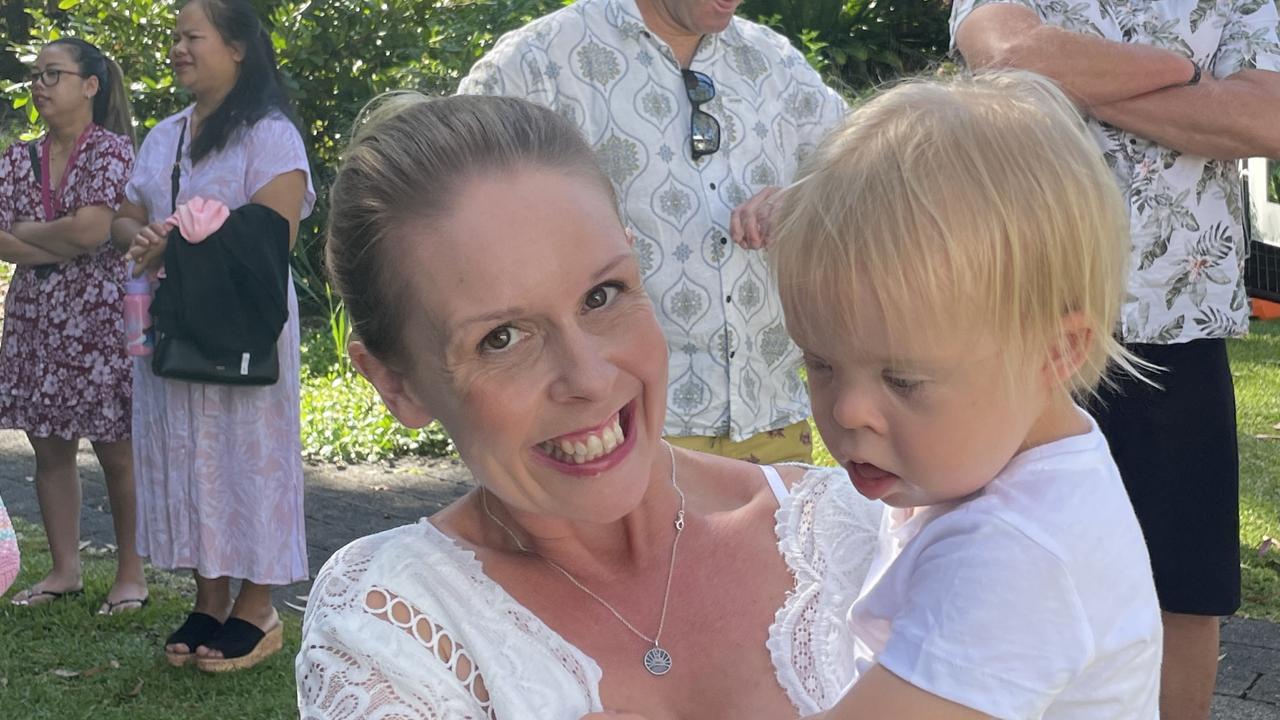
{"points": [[34, 153], [42, 271], [175, 176]]}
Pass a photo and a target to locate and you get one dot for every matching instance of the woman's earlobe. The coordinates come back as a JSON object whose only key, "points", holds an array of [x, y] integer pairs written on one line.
{"points": [[392, 387]]}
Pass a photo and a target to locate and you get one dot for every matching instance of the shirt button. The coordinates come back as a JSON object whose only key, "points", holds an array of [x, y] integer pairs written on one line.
{"points": [[724, 240], [728, 298], [713, 186], [733, 353]]}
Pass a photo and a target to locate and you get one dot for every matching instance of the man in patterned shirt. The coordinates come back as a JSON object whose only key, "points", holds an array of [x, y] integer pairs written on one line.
{"points": [[1176, 91], [697, 116]]}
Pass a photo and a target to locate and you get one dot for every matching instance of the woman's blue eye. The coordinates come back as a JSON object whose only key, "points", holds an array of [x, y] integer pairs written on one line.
{"points": [[601, 295], [502, 338]]}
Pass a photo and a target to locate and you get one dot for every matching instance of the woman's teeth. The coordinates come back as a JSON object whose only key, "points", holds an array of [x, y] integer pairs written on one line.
{"points": [[586, 448]]}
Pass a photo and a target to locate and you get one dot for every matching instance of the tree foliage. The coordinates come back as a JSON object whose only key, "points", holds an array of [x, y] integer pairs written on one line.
{"points": [[337, 54]]}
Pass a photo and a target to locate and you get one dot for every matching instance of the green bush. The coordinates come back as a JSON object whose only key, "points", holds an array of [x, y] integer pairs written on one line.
{"points": [[857, 44], [336, 55], [344, 420]]}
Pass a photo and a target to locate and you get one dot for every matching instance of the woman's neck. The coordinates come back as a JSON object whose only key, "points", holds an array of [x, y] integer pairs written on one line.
{"points": [[206, 103], [64, 133], [642, 538]]}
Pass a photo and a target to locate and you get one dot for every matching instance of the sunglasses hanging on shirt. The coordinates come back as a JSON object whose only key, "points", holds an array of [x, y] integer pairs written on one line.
{"points": [[704, 130]]}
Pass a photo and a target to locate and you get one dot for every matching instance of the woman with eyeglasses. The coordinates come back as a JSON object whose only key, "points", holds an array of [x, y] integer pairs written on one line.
{"points": [[219, 467], [64, 374]]}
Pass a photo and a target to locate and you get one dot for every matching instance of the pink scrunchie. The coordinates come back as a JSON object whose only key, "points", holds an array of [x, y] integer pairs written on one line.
{"points": [[9, 559], [198, 218]]}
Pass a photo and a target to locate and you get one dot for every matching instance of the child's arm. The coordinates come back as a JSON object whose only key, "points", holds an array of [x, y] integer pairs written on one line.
{"points": [[881, 694], [878, 694]]}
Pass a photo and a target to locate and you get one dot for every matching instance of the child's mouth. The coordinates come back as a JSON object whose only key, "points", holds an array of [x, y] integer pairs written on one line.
{"points": [[872, 482]]}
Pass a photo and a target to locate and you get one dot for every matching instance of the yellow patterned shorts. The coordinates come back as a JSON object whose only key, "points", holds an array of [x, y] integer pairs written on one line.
{"points": [[793, 443]]}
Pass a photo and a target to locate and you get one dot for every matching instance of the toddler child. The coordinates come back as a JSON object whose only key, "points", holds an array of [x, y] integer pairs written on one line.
{"points": [[952, 265]]}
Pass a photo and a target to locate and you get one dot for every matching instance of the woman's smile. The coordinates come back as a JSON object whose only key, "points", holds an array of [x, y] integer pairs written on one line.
{"points": [[591, 451]]}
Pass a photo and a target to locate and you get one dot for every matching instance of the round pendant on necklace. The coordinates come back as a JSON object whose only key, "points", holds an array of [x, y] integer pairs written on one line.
{"points": [[657, 661]]}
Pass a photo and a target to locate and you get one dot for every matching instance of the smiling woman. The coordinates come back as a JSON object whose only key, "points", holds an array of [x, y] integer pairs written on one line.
{"points": [[493, 287]]}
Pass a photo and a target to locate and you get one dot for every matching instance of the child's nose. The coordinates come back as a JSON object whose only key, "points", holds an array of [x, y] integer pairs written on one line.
{"points": [[855, 409]]}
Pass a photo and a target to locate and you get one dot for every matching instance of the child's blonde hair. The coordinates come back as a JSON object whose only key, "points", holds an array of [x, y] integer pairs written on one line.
{"points": [[978, 203]]}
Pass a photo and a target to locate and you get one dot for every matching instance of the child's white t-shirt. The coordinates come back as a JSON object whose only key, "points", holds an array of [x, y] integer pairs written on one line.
{"points": [[1032, 598]]}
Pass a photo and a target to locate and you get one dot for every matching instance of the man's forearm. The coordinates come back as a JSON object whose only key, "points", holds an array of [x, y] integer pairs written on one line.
{"points": [[1224, 119], [1092, 70]]}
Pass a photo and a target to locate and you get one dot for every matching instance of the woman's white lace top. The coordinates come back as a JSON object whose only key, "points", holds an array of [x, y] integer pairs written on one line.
{"points": [[405, 624]]}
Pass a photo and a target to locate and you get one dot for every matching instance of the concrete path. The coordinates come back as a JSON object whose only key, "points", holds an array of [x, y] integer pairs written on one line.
{"points": [[343, 503]]}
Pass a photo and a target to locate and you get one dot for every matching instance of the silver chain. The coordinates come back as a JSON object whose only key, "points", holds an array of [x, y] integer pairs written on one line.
{"points": [[666, 595]]}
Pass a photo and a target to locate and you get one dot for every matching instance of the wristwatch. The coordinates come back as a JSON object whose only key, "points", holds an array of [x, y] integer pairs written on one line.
{"points": [[1195, 77]]}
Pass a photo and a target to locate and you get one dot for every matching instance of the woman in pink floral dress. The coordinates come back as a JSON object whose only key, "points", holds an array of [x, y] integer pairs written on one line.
{"points": [[64, 374]]}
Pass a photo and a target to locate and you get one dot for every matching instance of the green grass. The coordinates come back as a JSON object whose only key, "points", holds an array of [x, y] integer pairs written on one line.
{"points": [[120, 672], [1255, 364]]}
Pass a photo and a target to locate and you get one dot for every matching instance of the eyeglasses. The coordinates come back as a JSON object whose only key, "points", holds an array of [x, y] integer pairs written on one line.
{"points": [[50, 77], [704, 130]]}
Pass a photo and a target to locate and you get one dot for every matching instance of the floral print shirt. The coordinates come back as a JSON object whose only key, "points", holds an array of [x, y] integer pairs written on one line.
{"points": [[1187, 212], [733, 367]]}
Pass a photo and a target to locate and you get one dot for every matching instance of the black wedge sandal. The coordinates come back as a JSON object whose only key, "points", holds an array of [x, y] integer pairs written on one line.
{"points": [[242, 645], [197, 630]]}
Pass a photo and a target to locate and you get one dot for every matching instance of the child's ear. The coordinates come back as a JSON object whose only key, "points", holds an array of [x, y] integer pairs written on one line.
{"points": [[1070, 350], [392, 385]]}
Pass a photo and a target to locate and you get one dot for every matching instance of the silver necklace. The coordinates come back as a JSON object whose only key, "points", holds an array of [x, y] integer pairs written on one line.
{"points": [[657, 660]]}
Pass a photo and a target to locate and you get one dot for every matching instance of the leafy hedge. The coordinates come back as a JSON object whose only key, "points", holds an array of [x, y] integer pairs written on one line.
{"points": [[337, 54]]}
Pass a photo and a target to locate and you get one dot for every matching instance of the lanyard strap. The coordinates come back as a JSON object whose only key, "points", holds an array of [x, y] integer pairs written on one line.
{"points": [[176, 175], [51, 199]]}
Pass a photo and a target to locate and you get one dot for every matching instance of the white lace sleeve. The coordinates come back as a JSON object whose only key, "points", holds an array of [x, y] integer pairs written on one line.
{"points": [[827, 535], [367, 653]]}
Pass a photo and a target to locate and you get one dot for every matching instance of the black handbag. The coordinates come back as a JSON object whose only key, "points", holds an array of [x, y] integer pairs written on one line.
{"points": [[180, 358]]}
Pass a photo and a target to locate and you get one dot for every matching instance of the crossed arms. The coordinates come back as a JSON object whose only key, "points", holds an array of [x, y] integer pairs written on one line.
{"points": [[1138, 88]]}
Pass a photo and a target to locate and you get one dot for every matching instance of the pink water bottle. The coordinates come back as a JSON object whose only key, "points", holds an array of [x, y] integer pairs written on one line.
{"points": [[137, 315]]}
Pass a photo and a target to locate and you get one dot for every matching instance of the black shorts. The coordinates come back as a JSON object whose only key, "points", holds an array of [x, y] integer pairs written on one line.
{"points": [[1176, 450]]}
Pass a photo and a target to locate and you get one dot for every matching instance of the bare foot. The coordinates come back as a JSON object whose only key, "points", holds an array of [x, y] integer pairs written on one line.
{"points": [[125, 597], [47, 590]]}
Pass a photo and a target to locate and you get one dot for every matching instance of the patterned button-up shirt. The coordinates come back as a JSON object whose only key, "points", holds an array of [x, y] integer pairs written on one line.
{"points": [[733, 366], [1186, 212]]}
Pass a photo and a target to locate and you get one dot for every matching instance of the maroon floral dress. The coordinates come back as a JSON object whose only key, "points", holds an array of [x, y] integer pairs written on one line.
{"points": [[63, 368]]}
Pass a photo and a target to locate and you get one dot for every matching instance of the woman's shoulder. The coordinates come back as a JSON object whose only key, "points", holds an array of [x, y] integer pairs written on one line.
{"points": [[15, 155], [272, 126], [166, 131], [824, 516], [372, 558], [106, 142]]}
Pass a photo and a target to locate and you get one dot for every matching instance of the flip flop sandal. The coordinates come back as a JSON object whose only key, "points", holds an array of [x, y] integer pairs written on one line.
{"points": [[197, 630], [120, 607], [53, 596], [242, 645]]}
